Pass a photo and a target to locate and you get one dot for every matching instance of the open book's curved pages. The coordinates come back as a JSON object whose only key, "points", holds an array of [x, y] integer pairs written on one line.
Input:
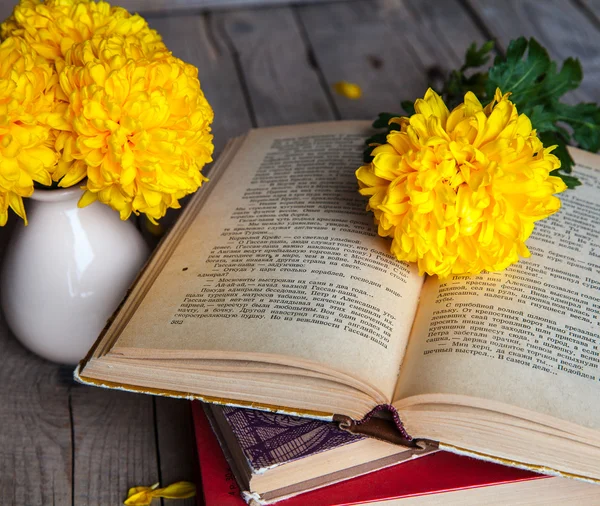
{"points": [[273, 290]]}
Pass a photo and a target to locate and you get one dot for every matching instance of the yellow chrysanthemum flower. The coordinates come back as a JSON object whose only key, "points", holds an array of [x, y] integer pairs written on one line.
{"points": [[140, 128], [28, 109], [459, 191], [103, 48], [52, 27]]}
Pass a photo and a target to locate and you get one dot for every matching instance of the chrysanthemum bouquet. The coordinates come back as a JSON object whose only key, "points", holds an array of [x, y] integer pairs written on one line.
{"points": [[90, 96], [459, 190]]}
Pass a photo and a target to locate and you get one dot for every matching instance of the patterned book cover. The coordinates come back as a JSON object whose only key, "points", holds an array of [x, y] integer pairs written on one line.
{"points": [[270, 439]]}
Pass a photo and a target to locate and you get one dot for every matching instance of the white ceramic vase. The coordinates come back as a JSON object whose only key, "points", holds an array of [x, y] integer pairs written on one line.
{"points": [[65, 273]]}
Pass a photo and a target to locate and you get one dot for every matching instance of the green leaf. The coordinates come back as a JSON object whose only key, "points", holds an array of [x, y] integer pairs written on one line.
{"points": [[477, 57], [458, 84], [378, 138], [476, 84], [571, 181], [408, 106], [536, 85], [553, 139], [367, 157], [552, 85], [543, 119], [383, 119], [516, 74], [516, 49], [584, 119], [534, 81]]}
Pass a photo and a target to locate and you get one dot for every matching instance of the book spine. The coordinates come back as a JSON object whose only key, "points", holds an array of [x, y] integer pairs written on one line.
{"points": [[218, 483]]}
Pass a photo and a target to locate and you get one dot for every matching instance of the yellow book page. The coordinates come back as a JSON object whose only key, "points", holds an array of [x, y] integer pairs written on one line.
{"points": [[283, 264]]}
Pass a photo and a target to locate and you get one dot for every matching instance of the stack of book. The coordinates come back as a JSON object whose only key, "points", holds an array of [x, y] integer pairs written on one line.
{"points": [[273, 291], [263, 458]]}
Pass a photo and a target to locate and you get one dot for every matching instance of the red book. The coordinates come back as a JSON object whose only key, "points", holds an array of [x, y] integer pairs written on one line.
{"points": [[423, 478]]}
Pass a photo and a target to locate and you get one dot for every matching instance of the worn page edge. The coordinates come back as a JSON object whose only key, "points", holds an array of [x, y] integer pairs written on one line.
{"points": [[514, 463]]}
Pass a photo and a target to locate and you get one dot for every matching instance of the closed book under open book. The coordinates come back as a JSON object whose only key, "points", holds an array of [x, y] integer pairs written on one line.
{"points": [[275, 456], [443, 479], [273, 290]]}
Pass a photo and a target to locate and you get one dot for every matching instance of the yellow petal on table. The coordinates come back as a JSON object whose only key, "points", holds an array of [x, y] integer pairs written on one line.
{"points": [[348, 90], [179, 490], [142, 496]]}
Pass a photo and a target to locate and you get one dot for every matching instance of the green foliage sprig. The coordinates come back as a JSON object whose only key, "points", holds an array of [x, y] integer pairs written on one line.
{"points": [[536, 85]]}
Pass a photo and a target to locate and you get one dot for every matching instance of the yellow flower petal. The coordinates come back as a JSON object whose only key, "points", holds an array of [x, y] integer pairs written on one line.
{"points": [[86, 199], [140, 125], [16, 204], [52, 28], [27, 121], [459, 191], [179, 490], [348, 90], [142, 496]]}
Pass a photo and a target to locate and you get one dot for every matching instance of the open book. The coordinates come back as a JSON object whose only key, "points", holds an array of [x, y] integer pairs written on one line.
{"points": [[274, 291]]}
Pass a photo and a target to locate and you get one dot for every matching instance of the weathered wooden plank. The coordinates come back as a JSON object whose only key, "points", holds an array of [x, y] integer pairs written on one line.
{"points": [[35, 439], [441, 31], [282, 85], [176, 445], [114, 444], [6, 8], [559, 26], [387, 47], [169, 6], [35, 430], [592, 8]]}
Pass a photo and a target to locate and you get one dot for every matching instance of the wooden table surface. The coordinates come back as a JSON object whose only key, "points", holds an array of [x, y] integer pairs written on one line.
{"points": [[67, 444]]}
